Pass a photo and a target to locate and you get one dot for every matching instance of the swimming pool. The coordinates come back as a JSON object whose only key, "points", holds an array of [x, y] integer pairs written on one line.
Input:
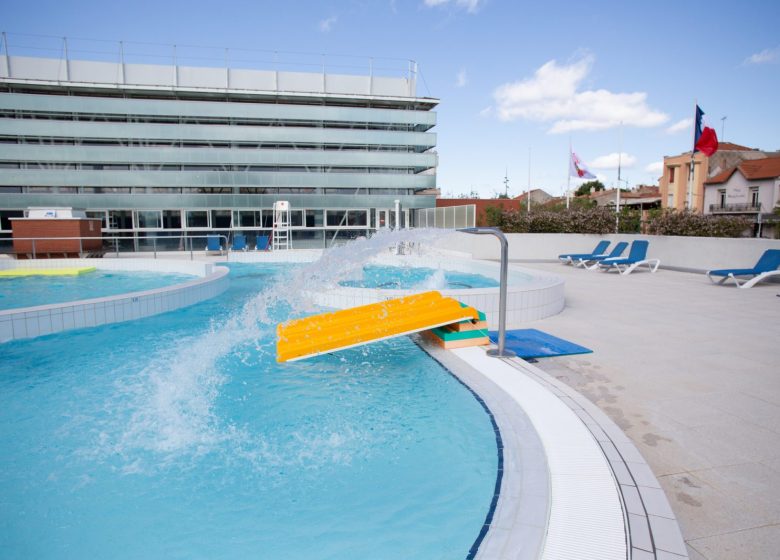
{"points": [[43, 290], [180, 436], [423, 278]]}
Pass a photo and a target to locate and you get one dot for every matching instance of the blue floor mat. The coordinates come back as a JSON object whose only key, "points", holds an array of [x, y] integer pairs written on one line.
{"points": [[531, 343]]}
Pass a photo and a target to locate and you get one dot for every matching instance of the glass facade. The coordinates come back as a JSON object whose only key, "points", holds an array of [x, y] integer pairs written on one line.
{"points": [[188, 159]]}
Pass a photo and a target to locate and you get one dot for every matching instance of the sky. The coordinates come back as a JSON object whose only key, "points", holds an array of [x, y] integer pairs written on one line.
{"points": [[518, 82]]}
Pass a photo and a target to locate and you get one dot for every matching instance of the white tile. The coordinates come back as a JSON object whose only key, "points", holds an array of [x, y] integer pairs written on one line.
{"points": [[56, 320], [100, 314], [68, 321], [31, 324], [78, 318], [6, 330], [44, 323]]}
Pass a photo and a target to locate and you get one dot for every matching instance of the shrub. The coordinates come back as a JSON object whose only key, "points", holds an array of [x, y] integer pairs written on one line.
{"points": [[686, 223], [601, 220]]}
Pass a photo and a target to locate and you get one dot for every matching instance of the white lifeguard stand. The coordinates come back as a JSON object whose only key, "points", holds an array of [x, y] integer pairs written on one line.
{"points": [[280, 239]]}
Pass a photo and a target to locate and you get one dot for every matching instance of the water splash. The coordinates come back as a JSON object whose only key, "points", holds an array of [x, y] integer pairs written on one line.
{"points": [[172, 400]]}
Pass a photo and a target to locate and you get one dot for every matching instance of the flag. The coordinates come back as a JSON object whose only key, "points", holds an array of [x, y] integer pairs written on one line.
{"points": [[705, 140], [578, 169]]}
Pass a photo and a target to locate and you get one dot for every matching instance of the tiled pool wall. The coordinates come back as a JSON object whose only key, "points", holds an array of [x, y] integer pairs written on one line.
{"points": [[40, 320], [527, 299]]}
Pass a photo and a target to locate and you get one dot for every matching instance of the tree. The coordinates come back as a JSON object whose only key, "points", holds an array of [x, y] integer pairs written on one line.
{"points": [[586, 187]]}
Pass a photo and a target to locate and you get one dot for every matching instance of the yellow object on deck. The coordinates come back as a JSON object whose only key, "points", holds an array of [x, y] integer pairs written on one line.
{"points": [[19, 272], [327, 332]]}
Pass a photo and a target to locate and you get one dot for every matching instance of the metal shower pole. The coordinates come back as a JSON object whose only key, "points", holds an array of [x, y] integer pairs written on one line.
{"points": [[501, 352]]}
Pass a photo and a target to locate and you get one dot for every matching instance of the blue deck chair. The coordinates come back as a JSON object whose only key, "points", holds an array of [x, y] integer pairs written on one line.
{"points": [[591, 262], [766, 266], [262, 243], [637, 257], [213, 245], [239, 242], [598, 250]]}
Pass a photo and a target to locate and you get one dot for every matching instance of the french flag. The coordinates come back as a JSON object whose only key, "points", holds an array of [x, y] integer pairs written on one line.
{"points": [[705, 140]]}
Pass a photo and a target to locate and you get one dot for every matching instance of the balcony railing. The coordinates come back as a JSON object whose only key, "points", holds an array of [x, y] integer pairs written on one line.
{"points": [[735, 208]]}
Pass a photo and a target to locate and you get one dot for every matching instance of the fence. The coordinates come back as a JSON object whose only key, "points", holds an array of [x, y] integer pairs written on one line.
{"points": [[450, 217]]}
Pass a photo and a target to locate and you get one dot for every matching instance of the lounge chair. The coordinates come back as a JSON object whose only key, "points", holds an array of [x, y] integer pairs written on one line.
{"points": [[591, 262], [239, 242], [637, 256], [766, 266], [213, 245], [262, 243], [598, 250]]}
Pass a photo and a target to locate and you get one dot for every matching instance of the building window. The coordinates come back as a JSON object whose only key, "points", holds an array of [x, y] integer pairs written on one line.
{"points": [[671, 174], [171, 219], [197, 219], [313, 218], [221, 219], [722, 197], [754, 197], [120, 219], [336, 218], [149, 219]]}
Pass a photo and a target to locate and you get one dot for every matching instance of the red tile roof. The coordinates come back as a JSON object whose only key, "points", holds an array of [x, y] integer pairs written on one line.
{"points": [[733, 147], [754, 169]]}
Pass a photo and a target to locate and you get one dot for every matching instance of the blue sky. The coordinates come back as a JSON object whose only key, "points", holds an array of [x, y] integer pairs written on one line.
{"points": [[511, 76]]}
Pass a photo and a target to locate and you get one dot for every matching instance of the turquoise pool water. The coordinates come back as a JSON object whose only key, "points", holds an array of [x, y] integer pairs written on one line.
{"points": [[44, 290], [179, 436], [403, 278]]}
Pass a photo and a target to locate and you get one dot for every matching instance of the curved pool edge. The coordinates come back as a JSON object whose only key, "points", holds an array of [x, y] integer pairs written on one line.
{"points": [[543, 296], [40, 320], [605, 501]]}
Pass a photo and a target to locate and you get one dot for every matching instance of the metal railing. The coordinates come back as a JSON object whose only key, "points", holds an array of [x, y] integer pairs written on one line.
{"points": [[112, 244], [734, 208]]}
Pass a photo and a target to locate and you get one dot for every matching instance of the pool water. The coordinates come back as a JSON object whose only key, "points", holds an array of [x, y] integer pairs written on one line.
{"points": [[405, 278], [179, 436], [44, 290]]}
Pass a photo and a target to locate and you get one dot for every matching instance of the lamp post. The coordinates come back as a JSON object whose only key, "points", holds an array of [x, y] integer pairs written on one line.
{"points": [[501, 352]]}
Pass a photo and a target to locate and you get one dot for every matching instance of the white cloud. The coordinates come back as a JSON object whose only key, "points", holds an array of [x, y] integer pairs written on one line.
{"points": [[487, 111], [552, 95], [610, 161], [764, 57], [471, 6], [327, 24], [680, 126], [461, 79], [655, 167]]}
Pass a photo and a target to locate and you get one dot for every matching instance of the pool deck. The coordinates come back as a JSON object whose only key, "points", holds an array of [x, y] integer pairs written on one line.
{"points": [[690, 372]]}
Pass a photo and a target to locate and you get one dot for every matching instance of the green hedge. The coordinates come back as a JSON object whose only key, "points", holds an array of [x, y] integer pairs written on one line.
{"points": [[601, 220]]}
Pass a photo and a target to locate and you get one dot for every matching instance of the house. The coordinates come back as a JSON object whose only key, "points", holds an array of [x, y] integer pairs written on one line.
{"points": [[643, 197], [674, 181], [538, 196], [750, 188]]}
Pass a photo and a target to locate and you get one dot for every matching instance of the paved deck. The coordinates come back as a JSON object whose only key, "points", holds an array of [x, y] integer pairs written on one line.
{"points": [[691, 372]]}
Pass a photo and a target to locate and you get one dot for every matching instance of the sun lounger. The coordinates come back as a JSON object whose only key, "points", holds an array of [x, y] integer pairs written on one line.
{"points": [[598, 250], [637, 256], [239, 242], [213, 245], [766, 267], [591, 262], [262, 243]]}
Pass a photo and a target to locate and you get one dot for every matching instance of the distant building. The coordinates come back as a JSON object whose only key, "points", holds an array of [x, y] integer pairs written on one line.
{"points": [[642, 198], [174, 151], [674, 181], [750, 188], [538, 196]]}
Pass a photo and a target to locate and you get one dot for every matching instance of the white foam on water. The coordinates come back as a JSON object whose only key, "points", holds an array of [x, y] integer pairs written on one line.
{"points": [[172, 399]]}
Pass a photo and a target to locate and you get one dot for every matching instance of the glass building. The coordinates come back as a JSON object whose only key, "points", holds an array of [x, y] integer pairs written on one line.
{"points": [[172, 150]]}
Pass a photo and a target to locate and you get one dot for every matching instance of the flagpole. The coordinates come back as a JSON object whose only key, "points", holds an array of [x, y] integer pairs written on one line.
{"points": [[568, 175], [617, 195], [689, 200], [529, 179]]}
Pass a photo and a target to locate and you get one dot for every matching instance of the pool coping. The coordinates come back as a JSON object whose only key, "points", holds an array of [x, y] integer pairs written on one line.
{"points": [[40, 320], [650, 527]]}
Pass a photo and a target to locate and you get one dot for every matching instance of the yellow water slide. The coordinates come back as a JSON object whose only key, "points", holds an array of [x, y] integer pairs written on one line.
{"points": [[338, 330]]}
